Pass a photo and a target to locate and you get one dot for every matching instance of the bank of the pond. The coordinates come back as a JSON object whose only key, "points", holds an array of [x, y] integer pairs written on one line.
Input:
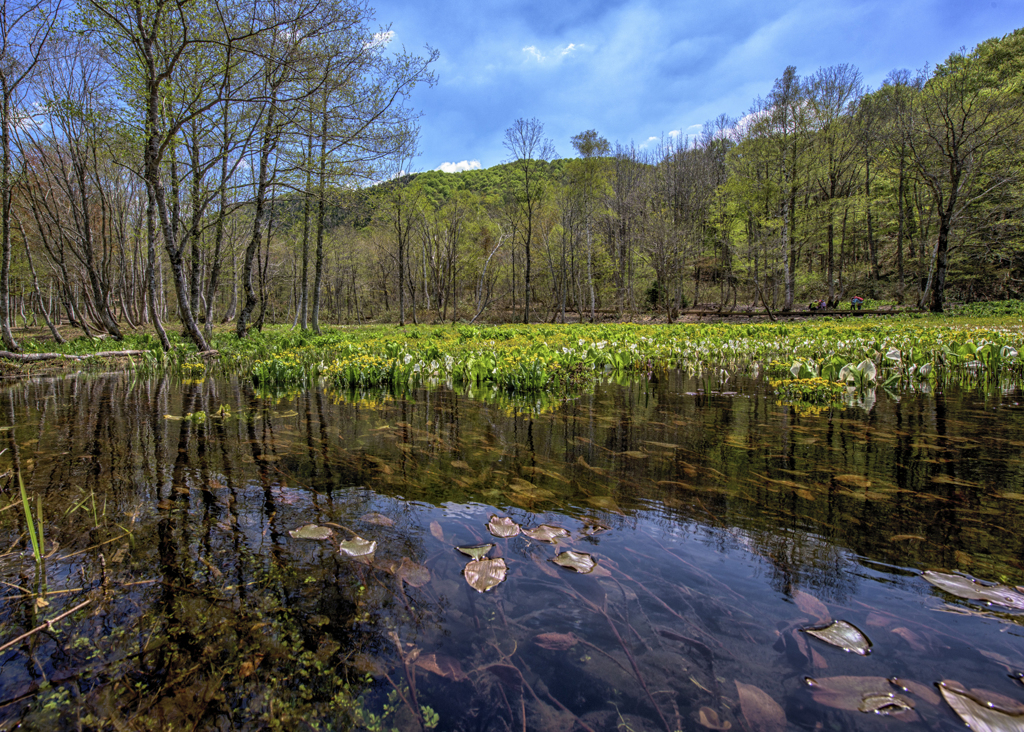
{"points": [[900, 352]]}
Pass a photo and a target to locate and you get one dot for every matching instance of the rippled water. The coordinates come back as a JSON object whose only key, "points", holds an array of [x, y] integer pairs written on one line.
{"points": [[722, 524]]}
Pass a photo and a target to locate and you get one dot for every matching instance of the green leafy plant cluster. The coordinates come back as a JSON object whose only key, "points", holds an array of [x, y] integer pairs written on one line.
{"points": [[559, 361], [897, 352], [814, 390]]}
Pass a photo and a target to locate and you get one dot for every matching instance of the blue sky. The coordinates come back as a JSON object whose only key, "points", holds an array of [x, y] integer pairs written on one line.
{"points": [[639, 70]]}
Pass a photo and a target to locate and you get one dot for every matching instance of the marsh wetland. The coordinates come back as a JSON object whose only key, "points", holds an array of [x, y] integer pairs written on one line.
{"points": [[728, 560]]}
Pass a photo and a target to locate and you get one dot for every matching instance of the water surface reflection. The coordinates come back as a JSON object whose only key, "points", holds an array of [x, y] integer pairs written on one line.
{"points": [[723, 525]]}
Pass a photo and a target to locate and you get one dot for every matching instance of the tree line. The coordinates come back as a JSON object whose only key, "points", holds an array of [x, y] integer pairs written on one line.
{"points": [[145, 142], [824, 190], [168, 161]]}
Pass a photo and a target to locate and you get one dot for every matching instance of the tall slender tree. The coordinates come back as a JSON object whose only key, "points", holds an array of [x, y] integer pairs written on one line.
{"points": [[25, 29], [529, 150]]}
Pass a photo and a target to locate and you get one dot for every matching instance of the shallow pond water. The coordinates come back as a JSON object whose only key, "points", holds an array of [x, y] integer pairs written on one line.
{"points": [[723, 526]]}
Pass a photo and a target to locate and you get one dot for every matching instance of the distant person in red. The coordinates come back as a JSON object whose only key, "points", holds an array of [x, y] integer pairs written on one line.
{"points": [[856, 302]]}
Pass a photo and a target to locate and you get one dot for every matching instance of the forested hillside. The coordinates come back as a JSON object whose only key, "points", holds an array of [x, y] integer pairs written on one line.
{"points": [[225, 174]]}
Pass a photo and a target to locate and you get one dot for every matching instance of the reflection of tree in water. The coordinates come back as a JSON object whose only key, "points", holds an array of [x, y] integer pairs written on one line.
{"points": [[802, 561], [234, 616]]}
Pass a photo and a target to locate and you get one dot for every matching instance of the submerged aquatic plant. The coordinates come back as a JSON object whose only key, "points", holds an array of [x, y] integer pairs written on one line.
{"points": [[35, 537]]}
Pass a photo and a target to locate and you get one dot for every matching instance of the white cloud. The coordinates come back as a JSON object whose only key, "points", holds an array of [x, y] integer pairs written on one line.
{"points": [[532, 50], [744, 123], [553, 56], [459, 167], [674, 133]]}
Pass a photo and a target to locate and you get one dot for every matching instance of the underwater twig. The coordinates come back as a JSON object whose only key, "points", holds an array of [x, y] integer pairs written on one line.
{"points": [[410, 676], [97, 546], [629, 654], [636, 670], [17, 587], [44, 626], [548, 694], [398, 691]]}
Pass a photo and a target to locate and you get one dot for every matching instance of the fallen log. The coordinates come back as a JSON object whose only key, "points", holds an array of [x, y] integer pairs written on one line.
{"points": [[30, 357]]}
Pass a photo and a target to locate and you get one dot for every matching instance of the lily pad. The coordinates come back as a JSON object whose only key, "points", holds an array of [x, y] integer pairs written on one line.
{"points": [[485, 574], [547, 533], [357, 547], [969, 588], [871, 694], [843, 635], [311, 531], [983, 711], [502, 526], [579, 561], [477, 551]]}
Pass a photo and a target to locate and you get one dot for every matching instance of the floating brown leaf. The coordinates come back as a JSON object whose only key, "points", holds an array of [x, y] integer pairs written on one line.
{"points": [[872, 694], [969, 588], [312, 531], [761, 712], [502, 526], [436, 532], [357, 547], [842, 635], [983, 711], [556, 641], [546, 533], [485, 574], [578, 561], [477, 551]]}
